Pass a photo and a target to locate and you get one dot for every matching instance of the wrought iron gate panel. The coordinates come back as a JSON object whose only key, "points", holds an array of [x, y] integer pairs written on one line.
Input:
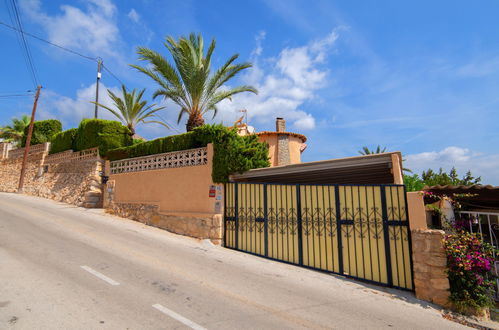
{"points": [[360, 231]]}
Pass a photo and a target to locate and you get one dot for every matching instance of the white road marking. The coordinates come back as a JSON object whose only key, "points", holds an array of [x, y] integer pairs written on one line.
{"points": [[99, 275], [178, 317]]}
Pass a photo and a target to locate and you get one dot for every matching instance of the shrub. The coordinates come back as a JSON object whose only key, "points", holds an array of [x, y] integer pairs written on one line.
{"points": [[469, 264], [105, 134], [43, 130], [63, 141], [167, 144], [233, 153]]}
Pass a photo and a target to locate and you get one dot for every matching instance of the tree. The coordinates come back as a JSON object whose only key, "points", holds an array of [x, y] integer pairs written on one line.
{"points": [[366, 151], [431, 178], [379, 150], [14, 133], [189, 81], [131, 110]]}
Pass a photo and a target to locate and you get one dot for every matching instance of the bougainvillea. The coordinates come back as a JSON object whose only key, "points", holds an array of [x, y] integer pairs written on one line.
{"points": [[469, 267]]}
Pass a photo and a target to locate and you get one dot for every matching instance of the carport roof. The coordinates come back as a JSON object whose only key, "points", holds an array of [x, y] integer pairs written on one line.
{"points": [[369, 169]]}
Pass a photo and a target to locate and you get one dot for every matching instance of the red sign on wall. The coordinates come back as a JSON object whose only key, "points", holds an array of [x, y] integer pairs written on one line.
{"points": [[213, 191]]}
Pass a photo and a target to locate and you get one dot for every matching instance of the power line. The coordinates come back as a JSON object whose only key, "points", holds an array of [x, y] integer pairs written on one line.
{"points": [[112, 74], [23, 43], [16, 95], [48, 42], [94, 59]]}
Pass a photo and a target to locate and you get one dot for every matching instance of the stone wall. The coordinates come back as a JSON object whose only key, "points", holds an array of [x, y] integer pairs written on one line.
{"points": [[430, 264], [76, 182], [203, 227]]}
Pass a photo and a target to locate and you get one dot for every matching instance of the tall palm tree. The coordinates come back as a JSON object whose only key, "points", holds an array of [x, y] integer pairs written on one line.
{"points": [[366, 151], [189, 82], [131, 110], [379, 150], [14, 133]]}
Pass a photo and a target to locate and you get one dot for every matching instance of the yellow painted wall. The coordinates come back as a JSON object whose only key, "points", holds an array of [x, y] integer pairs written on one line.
{"points": [[183, 191], [417, 213]]}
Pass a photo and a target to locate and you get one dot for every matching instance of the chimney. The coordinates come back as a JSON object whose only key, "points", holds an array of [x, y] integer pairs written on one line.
{"points": [[280, 124]]}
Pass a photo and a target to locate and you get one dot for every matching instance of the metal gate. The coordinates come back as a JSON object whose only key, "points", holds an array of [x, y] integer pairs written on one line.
{"points": [[360, 231]]}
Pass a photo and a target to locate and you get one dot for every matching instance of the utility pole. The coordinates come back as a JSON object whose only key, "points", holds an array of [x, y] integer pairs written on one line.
{"points": [[99, 64], [28, 141]]}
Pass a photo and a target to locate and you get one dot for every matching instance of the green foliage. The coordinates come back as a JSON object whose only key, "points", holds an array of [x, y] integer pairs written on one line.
{"points": [[63, 141], [14, 132], [105, 134], [413, 182], [366, 151], [167, 144], [131, 109], [469, 267], [188, 80], [431, 178], [43, 130], [233, 153]]}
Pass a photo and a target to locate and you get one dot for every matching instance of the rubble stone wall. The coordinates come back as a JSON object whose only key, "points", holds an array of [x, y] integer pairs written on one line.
{"points": [[202, 226], [430, 265], [76, 182]]}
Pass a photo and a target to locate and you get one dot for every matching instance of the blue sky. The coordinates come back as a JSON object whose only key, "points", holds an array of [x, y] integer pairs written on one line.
{"points": [[419, 77]]}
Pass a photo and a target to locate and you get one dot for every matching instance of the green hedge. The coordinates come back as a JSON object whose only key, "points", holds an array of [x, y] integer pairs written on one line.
{"points": [[63, 141], [43, 131], [233, 153], [105, 134], [167, 144]]}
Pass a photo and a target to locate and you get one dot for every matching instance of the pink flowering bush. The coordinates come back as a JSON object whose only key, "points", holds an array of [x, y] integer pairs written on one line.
{"points": [[469, 267]]}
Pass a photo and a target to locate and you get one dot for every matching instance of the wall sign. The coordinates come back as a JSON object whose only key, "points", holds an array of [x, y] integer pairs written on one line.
{"points": [[212, 192]]}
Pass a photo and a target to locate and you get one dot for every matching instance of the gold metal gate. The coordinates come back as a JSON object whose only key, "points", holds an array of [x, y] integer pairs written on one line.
{"points": [[360, 231]]}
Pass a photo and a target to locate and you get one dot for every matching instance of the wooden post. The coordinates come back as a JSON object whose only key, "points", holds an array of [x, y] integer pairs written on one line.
{"points": [[28, 142]]}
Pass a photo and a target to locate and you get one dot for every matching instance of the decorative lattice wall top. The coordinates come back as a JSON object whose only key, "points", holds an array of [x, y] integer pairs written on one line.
{"points": [[70, 156], [191, 157], [34, 149]]}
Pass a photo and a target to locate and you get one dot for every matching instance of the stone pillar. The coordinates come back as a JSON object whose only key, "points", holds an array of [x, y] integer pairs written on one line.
{"points": [[430, 265], [280, 125], [283, 157]]}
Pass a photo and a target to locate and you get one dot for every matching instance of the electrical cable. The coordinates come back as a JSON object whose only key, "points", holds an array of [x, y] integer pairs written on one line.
{"points": [[23, 43]]}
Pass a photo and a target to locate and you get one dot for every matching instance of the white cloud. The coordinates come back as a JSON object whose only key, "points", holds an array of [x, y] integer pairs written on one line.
{"points": [[92, 29], [463, 159], [284, 85], [133, 15], [70, 111]]}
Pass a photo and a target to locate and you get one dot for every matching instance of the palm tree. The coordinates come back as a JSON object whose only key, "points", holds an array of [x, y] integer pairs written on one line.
{"points": [[14, 133], [189, 81], [379, 150], [131, 110], [366, 151]]}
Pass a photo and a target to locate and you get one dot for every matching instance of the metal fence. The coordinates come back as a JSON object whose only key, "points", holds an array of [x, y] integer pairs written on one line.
{"points": [[360, 231]]}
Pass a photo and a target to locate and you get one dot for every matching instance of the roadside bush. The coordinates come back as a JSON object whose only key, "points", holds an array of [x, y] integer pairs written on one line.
{"points": [[105, 134], [43, 130], [469, 267], [233, 153], [63, 141], [166, 144]]}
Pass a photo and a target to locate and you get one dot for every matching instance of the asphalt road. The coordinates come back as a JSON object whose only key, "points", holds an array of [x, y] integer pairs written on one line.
{"points": [[63, 267]]}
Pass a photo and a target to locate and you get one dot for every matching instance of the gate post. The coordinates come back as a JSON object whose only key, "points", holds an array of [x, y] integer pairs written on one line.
{"points": [[386, 235], [299, 224], [266, 220], [236, 214], [338, 226]]}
